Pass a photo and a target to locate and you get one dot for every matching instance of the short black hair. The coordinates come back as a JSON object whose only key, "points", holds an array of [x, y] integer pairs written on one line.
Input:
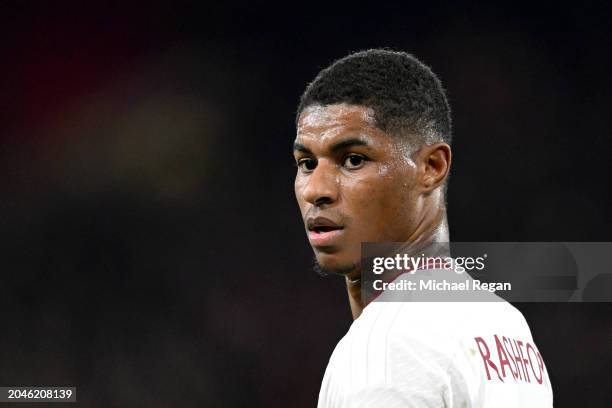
{"points": [[406, 96]]}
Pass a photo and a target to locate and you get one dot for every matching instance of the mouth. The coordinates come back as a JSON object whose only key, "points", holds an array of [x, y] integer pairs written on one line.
{"points": [[323, 232], [323, 229]]}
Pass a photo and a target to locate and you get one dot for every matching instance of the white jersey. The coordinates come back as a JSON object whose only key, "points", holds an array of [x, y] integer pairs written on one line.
{"points": [[436, 354]]}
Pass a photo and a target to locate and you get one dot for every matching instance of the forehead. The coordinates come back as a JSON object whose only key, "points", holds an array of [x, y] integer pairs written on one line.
{"points": [[334, 115], [330, 120]]}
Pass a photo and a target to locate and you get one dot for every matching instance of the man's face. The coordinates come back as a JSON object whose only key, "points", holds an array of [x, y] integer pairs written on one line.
{"points": [[354, 184]]}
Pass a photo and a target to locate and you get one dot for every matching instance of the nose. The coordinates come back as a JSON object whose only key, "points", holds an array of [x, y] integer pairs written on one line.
{"points": [[322, 186]]}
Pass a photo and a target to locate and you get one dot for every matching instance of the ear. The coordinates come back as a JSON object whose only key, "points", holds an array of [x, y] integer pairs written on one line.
{"points": [[434, 165]]}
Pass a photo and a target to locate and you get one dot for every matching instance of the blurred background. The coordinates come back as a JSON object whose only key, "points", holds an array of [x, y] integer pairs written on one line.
{"points": [[152, 253]]}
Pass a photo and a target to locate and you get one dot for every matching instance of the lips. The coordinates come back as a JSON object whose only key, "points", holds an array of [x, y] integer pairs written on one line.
{"points": [[323, 231]]}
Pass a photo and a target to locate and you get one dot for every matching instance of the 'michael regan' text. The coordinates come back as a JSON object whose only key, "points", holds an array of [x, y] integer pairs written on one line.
{"points": [[442, 285]]}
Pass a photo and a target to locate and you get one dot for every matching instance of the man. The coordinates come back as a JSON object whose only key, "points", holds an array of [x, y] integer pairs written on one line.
{"points": [[373, 156]]}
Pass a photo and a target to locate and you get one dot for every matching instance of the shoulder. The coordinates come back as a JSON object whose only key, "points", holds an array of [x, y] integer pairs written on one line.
{"points": [[438, 354], [388, 353], [406, 342], [440, 347]]}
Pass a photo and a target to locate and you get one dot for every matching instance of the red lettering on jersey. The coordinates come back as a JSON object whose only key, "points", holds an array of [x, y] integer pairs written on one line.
{"points": [[503, 358], [515, 371], [524, 356], [520, 347], [539, 358], [541, 363], [517, 358], [486, 358]]}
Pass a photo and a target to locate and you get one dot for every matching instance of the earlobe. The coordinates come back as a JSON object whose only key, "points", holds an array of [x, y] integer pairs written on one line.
{"points": [[437, 160]]}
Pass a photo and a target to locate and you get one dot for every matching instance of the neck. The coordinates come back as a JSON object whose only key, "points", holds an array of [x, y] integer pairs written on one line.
{"points": [[432, 229]]}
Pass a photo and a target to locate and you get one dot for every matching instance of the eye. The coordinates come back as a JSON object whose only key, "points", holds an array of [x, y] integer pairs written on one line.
{"points": [[354, 161], [306, 165]]}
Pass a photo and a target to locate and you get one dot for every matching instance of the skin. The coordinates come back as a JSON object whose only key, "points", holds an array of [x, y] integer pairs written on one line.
{"points": [[374, 186]]}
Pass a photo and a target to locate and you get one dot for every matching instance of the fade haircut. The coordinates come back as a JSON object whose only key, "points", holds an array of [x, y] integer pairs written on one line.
{"points": [[407, 98]]}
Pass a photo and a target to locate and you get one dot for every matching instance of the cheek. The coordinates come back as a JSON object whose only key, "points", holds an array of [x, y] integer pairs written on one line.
{"points": [[381, 207], [366, 201], [298, 186]]}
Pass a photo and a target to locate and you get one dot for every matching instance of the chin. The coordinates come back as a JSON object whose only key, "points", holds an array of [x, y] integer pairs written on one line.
{"points": [[336, 263]]}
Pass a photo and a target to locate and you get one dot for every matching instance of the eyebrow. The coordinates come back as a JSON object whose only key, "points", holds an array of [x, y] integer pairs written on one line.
{"points": [[300, 148], [335, 147]]}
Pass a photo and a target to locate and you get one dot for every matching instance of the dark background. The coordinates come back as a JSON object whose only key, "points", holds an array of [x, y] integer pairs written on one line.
{"points": [[152, 253]]}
